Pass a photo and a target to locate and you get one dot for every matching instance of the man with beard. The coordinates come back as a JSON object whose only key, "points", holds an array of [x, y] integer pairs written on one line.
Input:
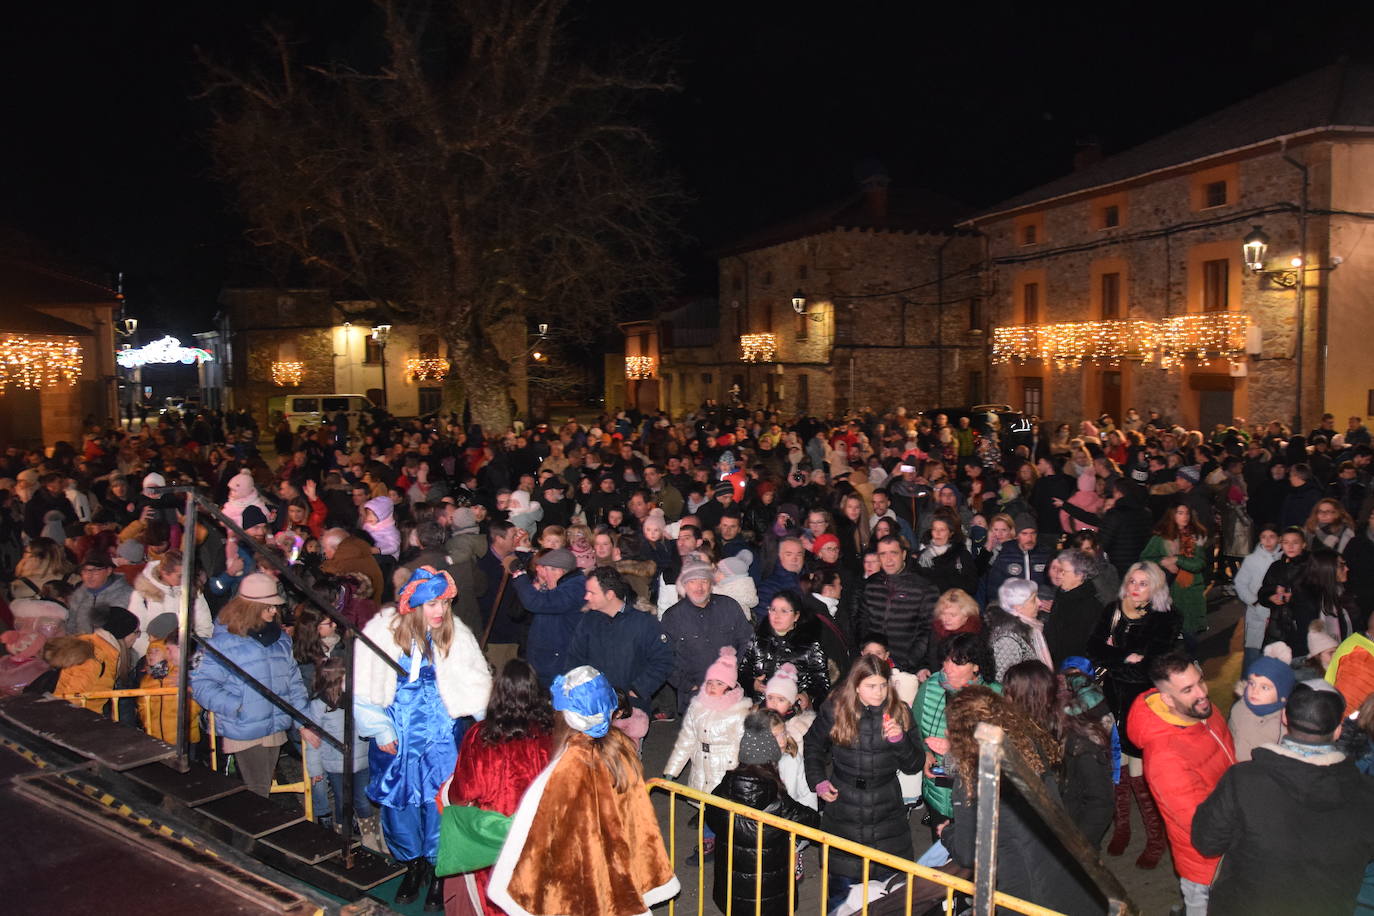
{"points": [[1186, 748]]}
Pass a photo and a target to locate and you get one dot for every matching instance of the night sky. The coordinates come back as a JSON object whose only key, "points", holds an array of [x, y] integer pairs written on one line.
{"points": [[105, 155]]}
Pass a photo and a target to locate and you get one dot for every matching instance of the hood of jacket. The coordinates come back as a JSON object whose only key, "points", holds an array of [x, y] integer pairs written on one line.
{"points": [[149, 586], [1317, 782], [1152, 721]]}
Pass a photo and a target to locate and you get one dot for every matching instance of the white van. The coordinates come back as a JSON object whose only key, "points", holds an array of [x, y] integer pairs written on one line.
{"points": [[314, 409]]}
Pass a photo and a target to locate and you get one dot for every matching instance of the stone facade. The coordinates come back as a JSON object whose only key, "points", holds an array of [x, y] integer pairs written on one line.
{"points": [[860, 344], [1173, 250]]}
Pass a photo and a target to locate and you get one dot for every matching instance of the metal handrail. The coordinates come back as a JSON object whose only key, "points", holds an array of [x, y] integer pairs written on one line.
{"points": [[827, 842]]}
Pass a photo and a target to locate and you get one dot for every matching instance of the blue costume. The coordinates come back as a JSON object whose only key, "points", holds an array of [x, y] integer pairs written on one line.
{"points": [[405, 783]]}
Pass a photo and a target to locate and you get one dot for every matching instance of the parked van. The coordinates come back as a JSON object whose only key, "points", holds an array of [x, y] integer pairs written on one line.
{"points": [[315, 409]]}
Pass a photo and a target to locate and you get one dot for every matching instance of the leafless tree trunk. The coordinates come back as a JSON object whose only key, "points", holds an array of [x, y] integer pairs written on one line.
{"points": [[483, 173]]}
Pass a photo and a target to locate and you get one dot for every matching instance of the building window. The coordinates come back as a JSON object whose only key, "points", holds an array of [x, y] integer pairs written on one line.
{"points": [[706, 378], [975, 314], [1111, 216], [429, 346], [803, 392], [1030, 234], [767, 278], [1215, 285], [372, 354], [1111, 296], [801, 272], [1030, 303], [431, 399], [1032, 396], [1214, 194], [803, 327], [975, 386]]}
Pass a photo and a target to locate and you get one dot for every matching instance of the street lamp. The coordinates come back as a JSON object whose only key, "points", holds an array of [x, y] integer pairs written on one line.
{"points": [[381, 333], [1256, 246], [799, 306]]}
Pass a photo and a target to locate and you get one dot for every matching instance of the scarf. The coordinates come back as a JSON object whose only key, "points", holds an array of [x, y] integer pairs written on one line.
{"points": [[1306, 750], [930, 552], [1042, 648], [1262, 709], [721, 703]]}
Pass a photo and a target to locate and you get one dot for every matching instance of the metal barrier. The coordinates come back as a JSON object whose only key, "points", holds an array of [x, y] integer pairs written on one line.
{"points": [[144, 693], [826, 842]]}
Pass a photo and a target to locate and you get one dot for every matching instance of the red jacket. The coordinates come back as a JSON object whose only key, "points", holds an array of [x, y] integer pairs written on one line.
{"points": [[1184, 760]]}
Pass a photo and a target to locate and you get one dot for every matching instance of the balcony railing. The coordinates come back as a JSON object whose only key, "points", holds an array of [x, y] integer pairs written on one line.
{"points": [[639, 367], [1209, 335], [758, 348]]}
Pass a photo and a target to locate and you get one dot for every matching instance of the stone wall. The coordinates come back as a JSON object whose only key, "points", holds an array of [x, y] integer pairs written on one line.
{"points": [[1158, 249]]}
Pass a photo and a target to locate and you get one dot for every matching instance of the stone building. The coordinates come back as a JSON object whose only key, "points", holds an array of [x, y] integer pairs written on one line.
{"points": [[303, 341], [1129, 283], [873, 301]]}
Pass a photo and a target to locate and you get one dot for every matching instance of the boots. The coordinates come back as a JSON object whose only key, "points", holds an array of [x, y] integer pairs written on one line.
{"points": [[1154, 825], [417, 874], [370, 831], [1121, 823], [434, 900]]}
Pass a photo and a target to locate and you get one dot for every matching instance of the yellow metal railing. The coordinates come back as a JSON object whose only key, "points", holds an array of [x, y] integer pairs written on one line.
{"points": [[825, 841], [143, 694]]}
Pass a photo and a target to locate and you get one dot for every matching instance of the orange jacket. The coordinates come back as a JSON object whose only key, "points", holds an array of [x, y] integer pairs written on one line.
{"points": [[1184, 760], [1352, 671], [89, 662]]}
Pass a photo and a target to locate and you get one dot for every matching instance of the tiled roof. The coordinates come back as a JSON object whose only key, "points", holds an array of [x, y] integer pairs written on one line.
{"points": [[908, 210], [25, 284], [1340, 95]]}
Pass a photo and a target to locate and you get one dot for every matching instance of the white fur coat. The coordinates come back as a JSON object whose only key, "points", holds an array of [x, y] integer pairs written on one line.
{"points": [[463, 675]]}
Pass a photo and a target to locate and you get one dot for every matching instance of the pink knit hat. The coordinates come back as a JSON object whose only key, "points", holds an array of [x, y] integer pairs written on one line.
{"points": [[724, 669], [783, 683]]}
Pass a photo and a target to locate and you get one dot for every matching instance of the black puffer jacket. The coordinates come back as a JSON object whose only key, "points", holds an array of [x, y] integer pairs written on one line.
{"points": [[870, 809], [900, 607], [756, 787], [801, 646], [955, 568], [1288, 620]]}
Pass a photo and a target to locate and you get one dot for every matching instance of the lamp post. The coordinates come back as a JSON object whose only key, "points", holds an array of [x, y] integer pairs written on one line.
{"points": [[799, 306], [381, 333]]}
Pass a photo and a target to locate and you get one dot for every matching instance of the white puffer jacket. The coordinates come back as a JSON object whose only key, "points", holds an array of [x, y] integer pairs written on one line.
{"points": [[152, 597], [709, 738]]}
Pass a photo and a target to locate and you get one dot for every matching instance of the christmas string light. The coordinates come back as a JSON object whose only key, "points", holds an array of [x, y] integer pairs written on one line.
{"points": [[38, 362], [287, 373], [639, 367], [427, 369], [758, 348], [1170, 341]]}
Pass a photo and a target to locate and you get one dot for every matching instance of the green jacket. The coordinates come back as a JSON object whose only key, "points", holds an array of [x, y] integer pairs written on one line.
{"points": [[929, 710]]}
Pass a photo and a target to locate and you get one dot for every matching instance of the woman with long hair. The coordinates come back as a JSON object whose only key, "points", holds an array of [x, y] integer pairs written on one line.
{"points": [[1140, 625], [789, 632], [1324, 600], [249, 633], [1179, 547], [44, 561], [864, 734], [584, 840], [410, 717], [1030, 864], [944, 558], [854, 531], [498, 759], [1329, 526]]}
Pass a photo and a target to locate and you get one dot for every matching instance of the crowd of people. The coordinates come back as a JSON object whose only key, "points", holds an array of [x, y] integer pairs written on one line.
{"points": [[822, 610]]}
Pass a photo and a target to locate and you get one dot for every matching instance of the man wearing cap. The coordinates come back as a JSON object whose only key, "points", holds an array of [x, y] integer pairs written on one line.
{"points": [[1295, 824], [1021, 558], [722, 497], [99, 588], [552, 495], [553, 594], [699, 625]]}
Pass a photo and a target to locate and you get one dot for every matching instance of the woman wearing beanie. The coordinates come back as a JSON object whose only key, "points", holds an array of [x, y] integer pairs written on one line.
{"points": [[584, 840], [863, 734], [710, 731], [410, 717], [755, 782], [1258, 718]]}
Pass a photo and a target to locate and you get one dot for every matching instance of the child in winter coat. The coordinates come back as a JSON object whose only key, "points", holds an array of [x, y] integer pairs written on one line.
{"points": [[325, 762], [711, 729], [243, 492], [380, 523], [159, 714], [1258, 718], [756, 782], [780, 698], [1248, 581]]}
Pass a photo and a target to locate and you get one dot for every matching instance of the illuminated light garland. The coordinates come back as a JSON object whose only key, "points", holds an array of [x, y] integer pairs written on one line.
{"points": [[38, 362], [287, 373], [165, 350], [427, 370], [1170, 341], [758, 348], [639, 367]]}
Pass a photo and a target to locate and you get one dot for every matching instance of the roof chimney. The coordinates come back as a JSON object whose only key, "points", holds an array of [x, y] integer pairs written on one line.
{"points": [[873, 182], [1089, 152]]}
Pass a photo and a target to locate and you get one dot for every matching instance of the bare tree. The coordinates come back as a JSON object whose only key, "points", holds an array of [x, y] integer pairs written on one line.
{"points": [[482, 177]]}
